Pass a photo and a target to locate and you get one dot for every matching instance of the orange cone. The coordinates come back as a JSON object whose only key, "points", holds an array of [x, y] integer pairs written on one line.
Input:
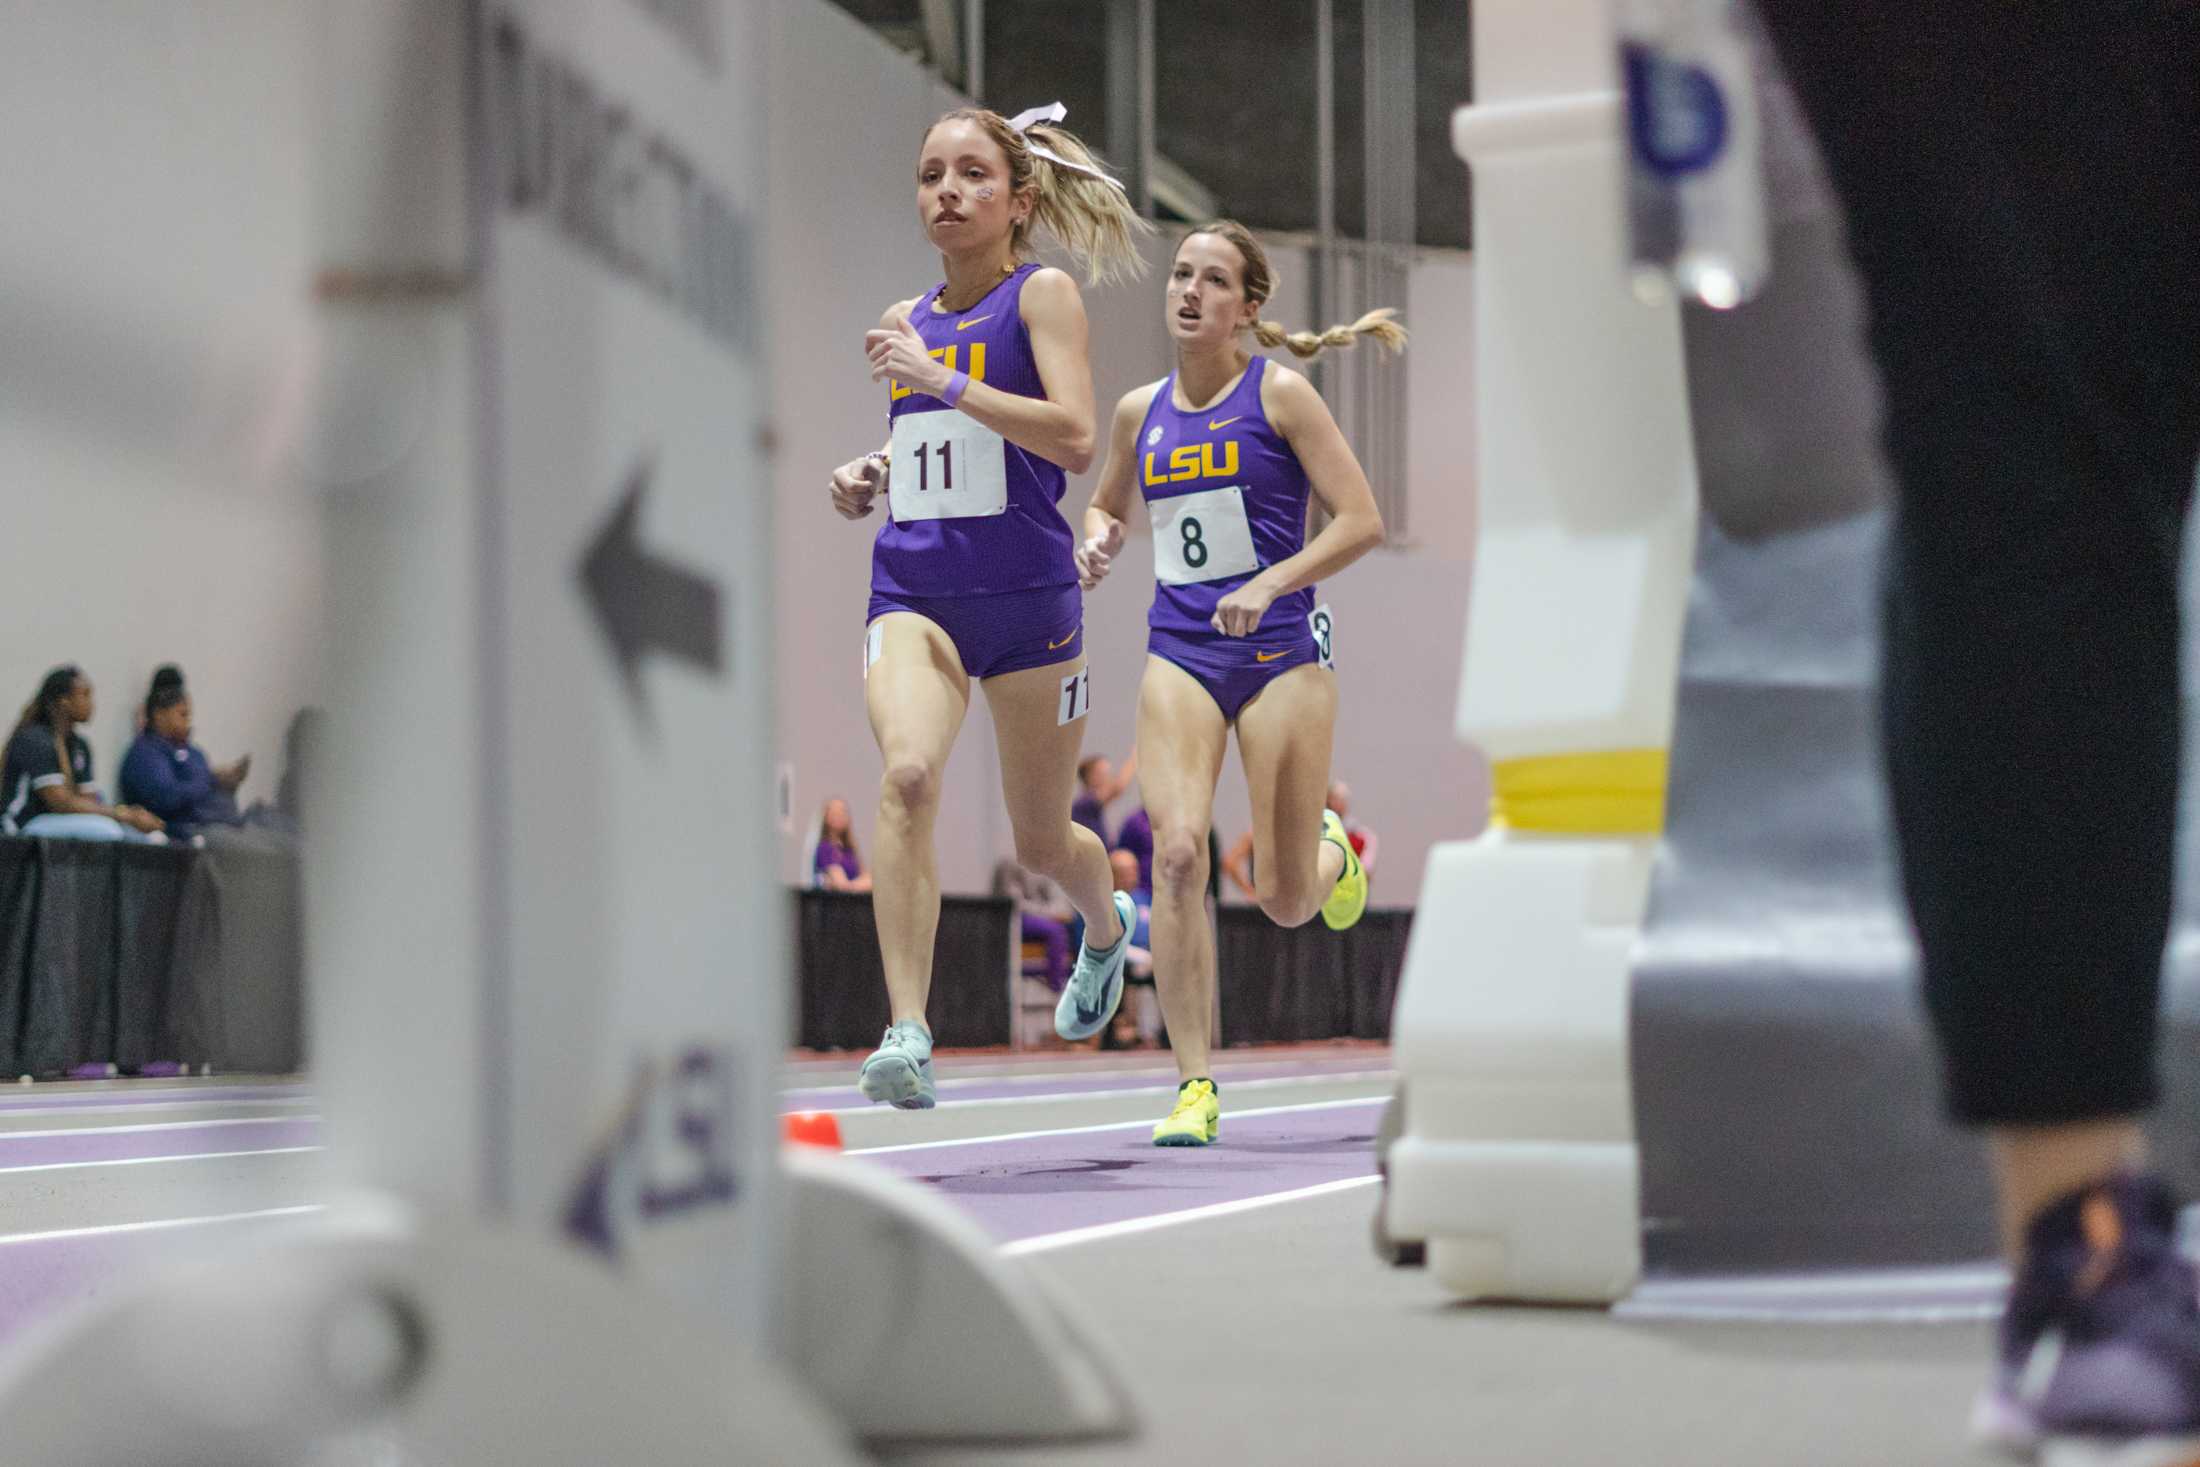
{"points": [[812, 1128]]}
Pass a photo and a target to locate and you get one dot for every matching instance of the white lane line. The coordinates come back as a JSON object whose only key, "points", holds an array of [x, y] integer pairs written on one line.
{"points": [[7, 1136], [71, 1092], [967, 1081], [1004, 1077], [1232, 1115], [1234, 1087], [72, 1166], [1047, 1242], [1842, 1286], [146, 1107], [1931, 1295], [158, 1225], [1886, 1313]]}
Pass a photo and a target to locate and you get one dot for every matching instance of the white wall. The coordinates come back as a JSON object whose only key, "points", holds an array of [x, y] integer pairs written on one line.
{"points": [[847, 117], [154, 301]]}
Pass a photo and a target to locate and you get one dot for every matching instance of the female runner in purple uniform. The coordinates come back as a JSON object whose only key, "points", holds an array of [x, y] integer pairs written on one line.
{"points": [[973, 577], [1225, 450]]}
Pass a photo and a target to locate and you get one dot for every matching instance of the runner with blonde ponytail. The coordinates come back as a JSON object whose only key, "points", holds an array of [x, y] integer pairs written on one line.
{"points": [[1226, 450], [972, 576]]}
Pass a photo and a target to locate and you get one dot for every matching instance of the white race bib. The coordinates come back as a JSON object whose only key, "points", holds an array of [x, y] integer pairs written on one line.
{"points": [[1076, 696], [946, 466], [1202, 537], [1324, 627]]}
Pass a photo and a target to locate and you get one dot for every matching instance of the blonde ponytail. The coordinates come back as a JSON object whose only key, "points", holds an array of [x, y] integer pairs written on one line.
{"points": [[1307, 345], [1091, 216]]}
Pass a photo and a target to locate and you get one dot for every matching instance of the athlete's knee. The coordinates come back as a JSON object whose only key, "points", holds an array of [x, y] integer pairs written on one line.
{"points": [[910, 787], [1176, 860]]}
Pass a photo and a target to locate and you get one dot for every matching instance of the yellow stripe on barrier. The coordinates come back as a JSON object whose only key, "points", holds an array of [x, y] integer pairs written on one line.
{"points": [[1617, 792]]}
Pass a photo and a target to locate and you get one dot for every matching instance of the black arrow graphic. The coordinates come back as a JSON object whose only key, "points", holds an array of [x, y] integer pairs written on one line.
{"points": [[645, 604]]}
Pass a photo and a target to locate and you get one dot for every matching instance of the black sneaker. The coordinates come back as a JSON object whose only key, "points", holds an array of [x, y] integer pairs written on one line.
{"points": [[2100, 1343]]}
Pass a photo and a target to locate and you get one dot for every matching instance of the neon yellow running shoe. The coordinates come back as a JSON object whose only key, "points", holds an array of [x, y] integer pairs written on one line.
{"points": [[1348, 898], [1197, 1119]]}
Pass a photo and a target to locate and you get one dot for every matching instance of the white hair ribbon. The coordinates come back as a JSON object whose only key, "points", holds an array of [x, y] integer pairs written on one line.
{"points": [[1052, 112], [1056, 112]]}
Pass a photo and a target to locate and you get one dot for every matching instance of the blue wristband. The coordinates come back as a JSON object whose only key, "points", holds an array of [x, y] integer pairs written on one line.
{"points": [[952, 393]]}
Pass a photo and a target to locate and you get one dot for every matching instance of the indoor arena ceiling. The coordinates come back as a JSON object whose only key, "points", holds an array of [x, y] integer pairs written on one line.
{"points": [[1233, 93]]}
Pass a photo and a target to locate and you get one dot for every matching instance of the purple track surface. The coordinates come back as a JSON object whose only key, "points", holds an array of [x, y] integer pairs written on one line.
{"points": [[1009, 1085], [1050, 1184], [49, 1148], [1017, 1187], [39, 1275]]}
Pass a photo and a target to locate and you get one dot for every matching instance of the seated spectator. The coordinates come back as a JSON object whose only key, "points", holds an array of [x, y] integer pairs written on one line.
{"points": [[171, 776], [836, 864], [1136, 836], [1363, 839], [1100, 785], [1124, 865], [1045, 913], [46, 786]]}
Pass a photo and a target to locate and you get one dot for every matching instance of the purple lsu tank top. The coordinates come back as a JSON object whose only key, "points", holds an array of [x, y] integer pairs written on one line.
{"points": [[1227, 497], [969, 513]]}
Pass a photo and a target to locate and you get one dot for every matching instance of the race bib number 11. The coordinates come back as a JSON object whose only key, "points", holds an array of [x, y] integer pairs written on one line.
{"points": [[946, 467]]}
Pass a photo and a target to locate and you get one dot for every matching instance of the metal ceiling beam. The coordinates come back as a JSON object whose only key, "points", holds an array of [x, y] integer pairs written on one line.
{"points": [[943, 38], [1324, 283], [973, 35], [1130, 97], [1181, 194]]}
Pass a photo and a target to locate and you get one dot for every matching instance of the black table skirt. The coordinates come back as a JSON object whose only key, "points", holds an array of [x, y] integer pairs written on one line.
{"points": [[841, 981], [1278, 985], [118, 953], [1291, 984]]}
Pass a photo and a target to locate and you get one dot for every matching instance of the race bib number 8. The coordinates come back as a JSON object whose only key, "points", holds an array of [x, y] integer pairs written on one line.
{"points": [[1202, 537], [946, 467]]}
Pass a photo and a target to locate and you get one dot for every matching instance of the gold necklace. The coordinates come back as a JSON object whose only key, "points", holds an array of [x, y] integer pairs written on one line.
{"points": [[1006, 271]]}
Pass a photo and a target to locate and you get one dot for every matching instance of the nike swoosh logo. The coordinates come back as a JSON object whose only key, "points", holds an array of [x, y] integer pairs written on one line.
{"points": [[1271, 656], [966, 325], [1057, 646], [1092, 1015], [1215, 427]]}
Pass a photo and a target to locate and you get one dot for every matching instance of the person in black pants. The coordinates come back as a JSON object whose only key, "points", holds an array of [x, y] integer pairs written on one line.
{"points": [[2021, 185]]}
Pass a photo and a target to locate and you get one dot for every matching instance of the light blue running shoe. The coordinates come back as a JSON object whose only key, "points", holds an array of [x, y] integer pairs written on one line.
{"points": [[899, 1071], [1094, 990]]}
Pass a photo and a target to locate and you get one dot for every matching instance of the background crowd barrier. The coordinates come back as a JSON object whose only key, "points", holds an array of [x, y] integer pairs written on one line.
{"points": [[114, 953]]}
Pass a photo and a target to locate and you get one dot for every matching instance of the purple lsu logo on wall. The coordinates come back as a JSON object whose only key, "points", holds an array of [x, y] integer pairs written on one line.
{"points": [[671, 1151]]}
